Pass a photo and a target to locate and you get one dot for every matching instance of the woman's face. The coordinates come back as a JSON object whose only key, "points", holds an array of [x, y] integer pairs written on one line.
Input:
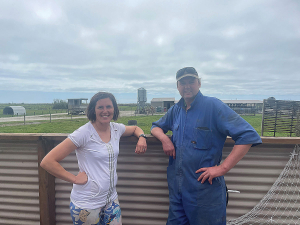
{"points": [[104, 111]]}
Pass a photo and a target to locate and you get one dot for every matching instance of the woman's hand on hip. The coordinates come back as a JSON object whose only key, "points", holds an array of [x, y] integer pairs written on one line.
{"points": [[81, 178]]}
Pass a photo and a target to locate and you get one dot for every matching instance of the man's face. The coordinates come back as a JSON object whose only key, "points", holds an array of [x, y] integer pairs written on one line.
{"points": [[188, 87]]}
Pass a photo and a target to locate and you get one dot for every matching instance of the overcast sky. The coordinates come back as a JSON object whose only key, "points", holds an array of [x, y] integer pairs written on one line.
{"points": [[72, 49]]}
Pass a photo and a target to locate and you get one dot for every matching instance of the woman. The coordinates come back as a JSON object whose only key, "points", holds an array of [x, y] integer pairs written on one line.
{"points": [[94, 199]]}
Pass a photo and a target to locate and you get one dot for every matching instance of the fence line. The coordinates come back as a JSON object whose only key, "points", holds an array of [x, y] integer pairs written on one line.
{"points": [[280, 116]]}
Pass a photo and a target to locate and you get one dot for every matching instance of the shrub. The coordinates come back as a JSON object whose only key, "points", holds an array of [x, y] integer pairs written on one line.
{"points": [[59, 104]]}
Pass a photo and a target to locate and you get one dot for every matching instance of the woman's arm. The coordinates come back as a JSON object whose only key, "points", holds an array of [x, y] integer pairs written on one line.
{"points": [[141, 145], [51, 163]]}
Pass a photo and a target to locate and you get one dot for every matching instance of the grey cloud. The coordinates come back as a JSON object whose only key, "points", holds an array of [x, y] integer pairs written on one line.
{"points": [[238, 47]]}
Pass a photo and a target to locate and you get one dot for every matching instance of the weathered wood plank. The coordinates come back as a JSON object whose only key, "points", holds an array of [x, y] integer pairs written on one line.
{"points": [[46, 185]]}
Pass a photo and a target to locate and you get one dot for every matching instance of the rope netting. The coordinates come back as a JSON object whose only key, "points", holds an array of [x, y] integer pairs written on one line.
{"points": [[281, 205]]}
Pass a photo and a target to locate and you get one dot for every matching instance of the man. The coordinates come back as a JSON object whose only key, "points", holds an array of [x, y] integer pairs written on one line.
{"points": [[200, 125]]}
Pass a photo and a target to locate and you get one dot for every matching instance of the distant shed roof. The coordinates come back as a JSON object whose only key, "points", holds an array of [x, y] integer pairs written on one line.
{"points": [[163, 100], [243, 101], [14, 110]]}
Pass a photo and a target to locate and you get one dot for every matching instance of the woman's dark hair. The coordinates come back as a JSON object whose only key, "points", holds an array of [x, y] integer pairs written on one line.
{"points": [[90, 111]]}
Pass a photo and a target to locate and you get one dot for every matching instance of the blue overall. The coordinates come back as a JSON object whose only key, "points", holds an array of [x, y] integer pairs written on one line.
{"points": [[199, 135]]}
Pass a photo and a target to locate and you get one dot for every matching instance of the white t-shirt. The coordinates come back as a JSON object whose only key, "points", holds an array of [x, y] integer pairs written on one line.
{"points": [[99, 161]]}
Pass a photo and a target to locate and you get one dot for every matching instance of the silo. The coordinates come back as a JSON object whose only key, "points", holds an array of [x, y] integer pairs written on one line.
{"points": [[142, 95], [141, 100]]}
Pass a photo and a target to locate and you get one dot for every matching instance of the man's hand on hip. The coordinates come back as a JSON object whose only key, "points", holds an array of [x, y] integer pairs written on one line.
{"points": [[210, 173]]}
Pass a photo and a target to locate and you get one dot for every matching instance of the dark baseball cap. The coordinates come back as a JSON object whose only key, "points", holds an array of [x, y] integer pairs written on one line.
{"points": [[186, 72]]}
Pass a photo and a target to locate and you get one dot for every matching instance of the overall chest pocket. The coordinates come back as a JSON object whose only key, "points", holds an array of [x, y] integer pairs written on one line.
{"points": [[202, 138]]}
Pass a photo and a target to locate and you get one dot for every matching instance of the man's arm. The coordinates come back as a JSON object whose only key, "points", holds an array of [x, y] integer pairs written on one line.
{"points": [[237, 153], [167, 144], [229, 123]]}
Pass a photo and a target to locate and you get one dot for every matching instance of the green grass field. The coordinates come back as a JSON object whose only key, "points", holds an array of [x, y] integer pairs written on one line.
{"points": [[69, 125]]}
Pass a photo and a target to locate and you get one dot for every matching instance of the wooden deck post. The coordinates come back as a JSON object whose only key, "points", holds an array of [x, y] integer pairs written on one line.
{"points": [[46, 185]]}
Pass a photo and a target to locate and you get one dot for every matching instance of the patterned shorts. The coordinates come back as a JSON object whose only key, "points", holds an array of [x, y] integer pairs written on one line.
{"points": [[109, 214]]}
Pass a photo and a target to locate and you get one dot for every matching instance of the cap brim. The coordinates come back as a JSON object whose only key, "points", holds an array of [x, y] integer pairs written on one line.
{"points": [[187, 75]]}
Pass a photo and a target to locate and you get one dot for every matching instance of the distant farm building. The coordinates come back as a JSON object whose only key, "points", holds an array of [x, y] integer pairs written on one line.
{"points": [[76, 106], [245, 106], [14, 110], [162, 104]]}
